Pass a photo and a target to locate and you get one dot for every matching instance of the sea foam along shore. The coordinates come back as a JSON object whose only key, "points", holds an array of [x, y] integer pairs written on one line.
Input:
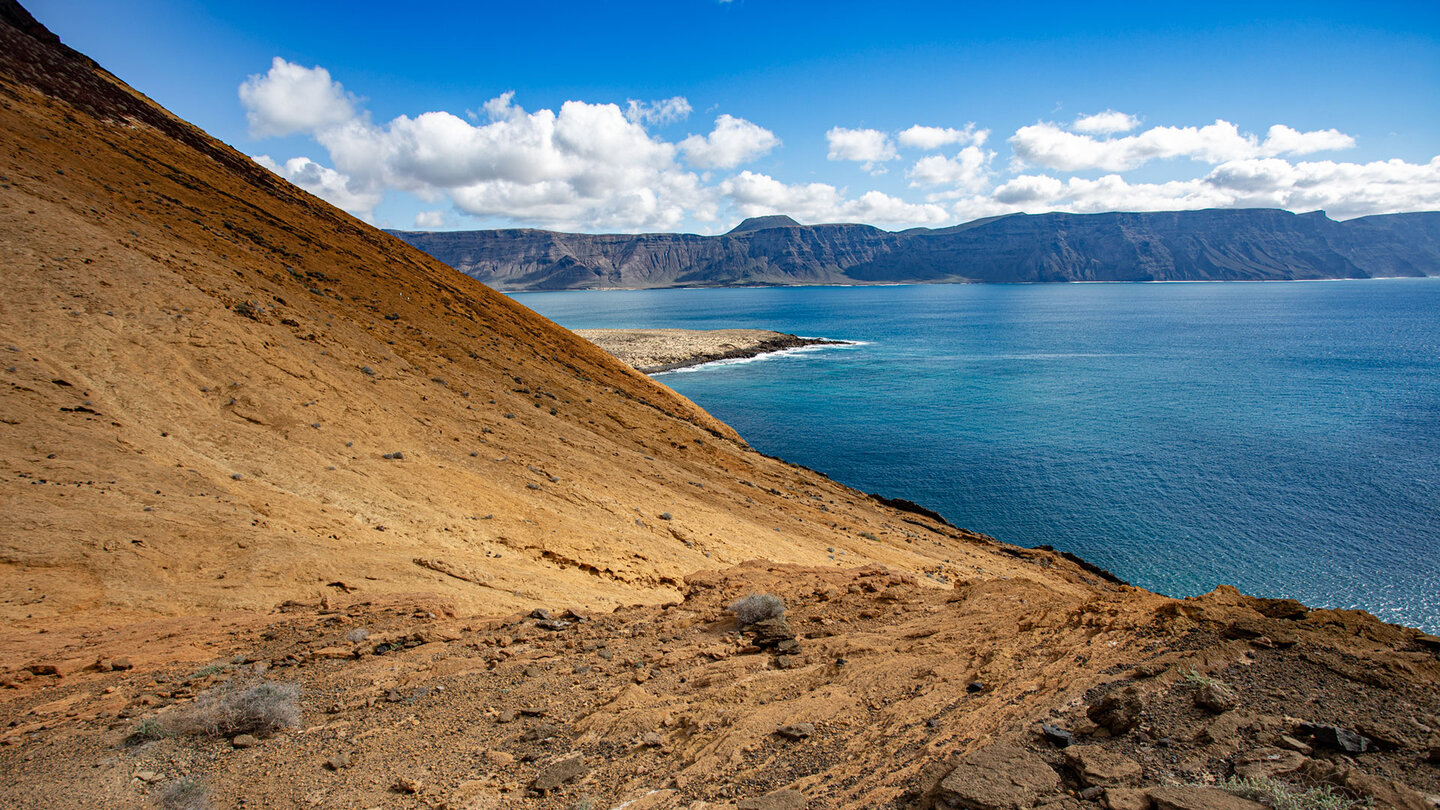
{"points": [[652, 351]]}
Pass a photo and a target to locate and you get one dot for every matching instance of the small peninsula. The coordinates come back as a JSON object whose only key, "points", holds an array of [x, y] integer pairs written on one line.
{"points": [[651, 351]]}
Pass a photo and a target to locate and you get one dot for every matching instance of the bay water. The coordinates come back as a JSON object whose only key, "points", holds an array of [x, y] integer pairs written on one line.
{"points": [[1280, 437]]}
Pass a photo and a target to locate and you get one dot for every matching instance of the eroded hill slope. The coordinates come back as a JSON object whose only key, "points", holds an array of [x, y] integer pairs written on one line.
{"points": [[220, 392]]}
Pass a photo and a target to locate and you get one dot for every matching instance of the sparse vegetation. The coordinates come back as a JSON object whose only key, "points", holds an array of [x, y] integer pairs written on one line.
{"points": [[207, 671], [1284, 796], [185, 793], [147, 730], [1197, 680], [870, 536], [261, 707], [757, 607], [357, 635]]}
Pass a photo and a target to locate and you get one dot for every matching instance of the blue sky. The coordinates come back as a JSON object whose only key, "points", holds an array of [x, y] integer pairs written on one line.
{"points": [[691, 114]]}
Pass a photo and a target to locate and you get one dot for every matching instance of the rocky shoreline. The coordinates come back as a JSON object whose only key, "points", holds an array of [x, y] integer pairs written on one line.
{"points": [[651, 351]]}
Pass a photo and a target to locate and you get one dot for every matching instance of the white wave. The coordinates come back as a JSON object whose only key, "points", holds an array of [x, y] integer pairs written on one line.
{"points": [[736, 361]]}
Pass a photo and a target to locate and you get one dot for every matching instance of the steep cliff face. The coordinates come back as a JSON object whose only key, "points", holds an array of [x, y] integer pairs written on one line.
{"points": [[1258, 244]]}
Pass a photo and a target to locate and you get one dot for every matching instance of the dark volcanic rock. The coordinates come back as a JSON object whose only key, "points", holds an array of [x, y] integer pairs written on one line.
{"points": [[1251, 244], [1336, 738], [1117, 712], [1057, 735]]}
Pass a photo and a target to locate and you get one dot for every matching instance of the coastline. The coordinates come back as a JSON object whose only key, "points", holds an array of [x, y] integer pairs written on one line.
{"points": [[957, 282], [653, 351]]}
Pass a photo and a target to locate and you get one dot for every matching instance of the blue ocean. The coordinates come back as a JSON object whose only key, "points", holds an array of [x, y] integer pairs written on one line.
{"points": [[1280, 437]]}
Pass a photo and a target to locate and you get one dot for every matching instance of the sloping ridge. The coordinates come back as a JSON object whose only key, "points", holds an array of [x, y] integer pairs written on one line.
{"points": [[219, 391]]}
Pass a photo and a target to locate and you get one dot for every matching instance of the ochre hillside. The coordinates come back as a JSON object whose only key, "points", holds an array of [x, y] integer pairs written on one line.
{"points": [[295, 516], [205, 370]]}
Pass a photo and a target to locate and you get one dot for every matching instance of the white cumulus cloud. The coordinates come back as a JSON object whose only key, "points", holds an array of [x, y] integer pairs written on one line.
{"points": [[325, 183], [657, 113], [869, 147], [733, 141], [430, 220], [1051, 146], [1342, 190], [968, 171], [756, 194], [928, 138], [290, 98], [1105, 123]]}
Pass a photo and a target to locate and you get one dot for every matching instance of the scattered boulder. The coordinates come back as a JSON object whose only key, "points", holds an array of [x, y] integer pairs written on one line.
{"points": [[1336, 738], [799, 731], [651, 739], [769, 633], [1268, 762], [1374, 790], [1125, 799], [1216, 697], [1100, 767], [541, 731], [559, 772], [244, 741], [998, 777], [1223, 729], [1117, 712], [974, 687], [787, 799], [1178, 797], [338, 761]]}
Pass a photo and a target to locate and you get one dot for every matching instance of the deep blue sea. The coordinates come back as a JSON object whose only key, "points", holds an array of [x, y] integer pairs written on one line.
{"points": [[1280, 437]]}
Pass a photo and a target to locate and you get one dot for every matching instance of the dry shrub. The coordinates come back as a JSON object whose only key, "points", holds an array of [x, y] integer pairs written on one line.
{"points": [[757, 607], [261, 707]]}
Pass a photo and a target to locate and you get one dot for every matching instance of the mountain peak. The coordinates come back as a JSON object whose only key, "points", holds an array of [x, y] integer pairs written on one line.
{"points": [[764, 223]]}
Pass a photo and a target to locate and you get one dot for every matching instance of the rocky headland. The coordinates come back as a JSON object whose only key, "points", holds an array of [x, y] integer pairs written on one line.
{"points": [[654, 350], [297, 516]]}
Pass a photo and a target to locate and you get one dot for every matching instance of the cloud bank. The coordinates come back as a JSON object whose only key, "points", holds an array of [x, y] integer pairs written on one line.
{"points": [[601, 167]]}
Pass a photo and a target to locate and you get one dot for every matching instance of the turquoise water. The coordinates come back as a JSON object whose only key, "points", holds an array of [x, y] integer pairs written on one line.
{"points": [[1280, 437]]}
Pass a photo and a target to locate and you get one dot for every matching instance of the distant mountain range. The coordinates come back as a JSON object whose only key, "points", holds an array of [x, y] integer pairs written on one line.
{"points": [[1245, 244]]}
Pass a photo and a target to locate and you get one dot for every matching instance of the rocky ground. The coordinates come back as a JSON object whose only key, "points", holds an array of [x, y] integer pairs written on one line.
{"points": [[653, 350], [872, 691]]}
